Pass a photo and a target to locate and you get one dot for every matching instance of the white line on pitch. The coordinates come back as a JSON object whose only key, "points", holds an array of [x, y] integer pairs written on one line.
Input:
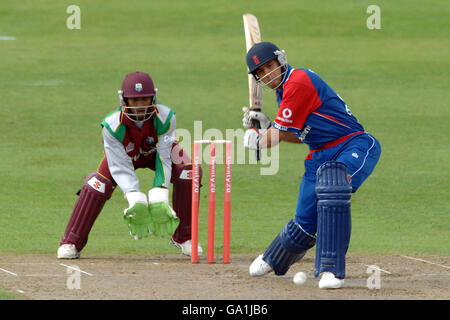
{"points": [[7, 38], [62, 264], [379, 269], [12, 273], [434, 274], [422, 260]]}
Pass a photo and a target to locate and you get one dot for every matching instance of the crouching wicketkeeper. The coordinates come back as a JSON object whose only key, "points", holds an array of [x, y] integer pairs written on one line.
{"points": [[139, 134]]}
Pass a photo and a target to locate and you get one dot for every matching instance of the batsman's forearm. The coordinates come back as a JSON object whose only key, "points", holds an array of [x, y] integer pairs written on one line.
{"points": [[273, 136], [289, 137], [270, 139]]}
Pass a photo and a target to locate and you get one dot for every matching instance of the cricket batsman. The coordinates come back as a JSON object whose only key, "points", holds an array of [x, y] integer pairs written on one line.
{"points": [[341, 157], [138, 134]]}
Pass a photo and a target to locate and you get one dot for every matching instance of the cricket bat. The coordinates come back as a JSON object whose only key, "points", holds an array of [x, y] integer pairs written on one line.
{"points": [[252, 36]]}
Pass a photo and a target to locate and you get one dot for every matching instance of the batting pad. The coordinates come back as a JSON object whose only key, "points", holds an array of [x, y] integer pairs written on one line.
{"points": [[288, 247], [333, 189], [95, 192]]}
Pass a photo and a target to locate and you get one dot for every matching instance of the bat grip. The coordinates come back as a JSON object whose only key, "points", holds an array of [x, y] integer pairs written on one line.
{"points": [[256, 125]]}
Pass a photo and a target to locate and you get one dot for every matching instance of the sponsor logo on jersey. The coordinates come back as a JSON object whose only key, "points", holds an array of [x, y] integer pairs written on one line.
{"points": [[286, 113], [143, 153], [97, 184], [305, 132], [129, 147], [279, 127], [150, 140], [284, 119]]}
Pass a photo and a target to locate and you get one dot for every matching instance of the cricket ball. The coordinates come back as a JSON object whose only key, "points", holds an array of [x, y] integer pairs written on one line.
{"points": [[299, 278]]}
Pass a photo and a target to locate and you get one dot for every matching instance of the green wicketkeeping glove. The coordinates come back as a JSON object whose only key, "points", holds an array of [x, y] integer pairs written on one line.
{"points": [[136, 216], [164, 220]]}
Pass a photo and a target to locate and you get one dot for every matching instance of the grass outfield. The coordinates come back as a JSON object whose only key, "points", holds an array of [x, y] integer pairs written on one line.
{"points": [[56, 86], [5, 295]]}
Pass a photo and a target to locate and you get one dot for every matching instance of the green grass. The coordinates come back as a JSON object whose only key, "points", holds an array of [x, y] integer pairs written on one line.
{"points": [[58, 84], [7, 295]]}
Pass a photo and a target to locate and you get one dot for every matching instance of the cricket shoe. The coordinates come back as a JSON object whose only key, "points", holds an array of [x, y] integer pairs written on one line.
{"points": [[329, 281], [186, 247], [68, 251], [259, 267]]}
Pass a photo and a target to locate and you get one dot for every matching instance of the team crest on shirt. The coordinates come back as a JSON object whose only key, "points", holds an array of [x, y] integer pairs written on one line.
{"points": [[150, 140], [138, 87]]}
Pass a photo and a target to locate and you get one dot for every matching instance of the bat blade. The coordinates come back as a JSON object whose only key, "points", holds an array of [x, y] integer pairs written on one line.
{"points": [[252, 31], [253, 36]]}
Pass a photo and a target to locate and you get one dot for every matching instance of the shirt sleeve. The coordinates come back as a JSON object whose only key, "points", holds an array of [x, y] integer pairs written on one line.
{"points": [[119, 163], [163, 164], [299, 100]]}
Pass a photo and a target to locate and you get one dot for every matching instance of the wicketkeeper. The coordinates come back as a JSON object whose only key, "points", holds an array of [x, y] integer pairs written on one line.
{"points": [[139, 134], [342, 155]]}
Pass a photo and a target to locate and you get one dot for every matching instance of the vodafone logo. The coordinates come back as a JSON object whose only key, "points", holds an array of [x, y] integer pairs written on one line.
{"points": [[287, 113]]}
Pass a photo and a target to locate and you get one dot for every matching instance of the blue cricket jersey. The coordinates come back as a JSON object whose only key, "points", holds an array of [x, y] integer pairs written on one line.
{"points": [[312, 110]]}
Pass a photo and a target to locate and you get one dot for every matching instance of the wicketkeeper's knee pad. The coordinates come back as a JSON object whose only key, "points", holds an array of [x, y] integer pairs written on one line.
{"points": [[333, 189], [96, 190], [288, 247]]}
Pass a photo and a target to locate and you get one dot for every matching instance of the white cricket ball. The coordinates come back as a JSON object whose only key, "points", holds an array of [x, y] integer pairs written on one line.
{"points": [[299, 278]]}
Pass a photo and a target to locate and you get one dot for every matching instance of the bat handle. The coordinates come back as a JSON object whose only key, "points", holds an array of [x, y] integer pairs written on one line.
{"points": [[256, 125]]}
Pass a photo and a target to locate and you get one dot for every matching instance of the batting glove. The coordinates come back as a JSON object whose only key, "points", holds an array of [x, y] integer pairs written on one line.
{"points": [[251, 115], [252, 137]]}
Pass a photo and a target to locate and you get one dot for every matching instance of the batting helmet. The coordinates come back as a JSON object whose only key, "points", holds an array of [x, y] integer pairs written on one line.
{"points": [[138, 84], [135, 85], [263, 52]]}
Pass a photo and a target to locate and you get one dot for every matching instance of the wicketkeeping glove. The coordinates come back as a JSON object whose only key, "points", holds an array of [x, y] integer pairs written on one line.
{"points": [[251, 115], [164, 220], [136, 216]]}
